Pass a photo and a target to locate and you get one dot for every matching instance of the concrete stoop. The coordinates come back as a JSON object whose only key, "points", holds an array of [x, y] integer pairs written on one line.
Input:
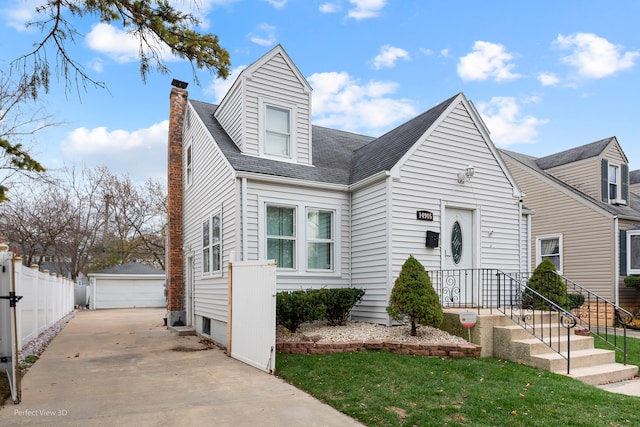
{"points": [[182, 330], [588, 364]]}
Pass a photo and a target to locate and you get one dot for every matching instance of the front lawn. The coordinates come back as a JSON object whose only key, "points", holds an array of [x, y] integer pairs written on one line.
{"points": [[385, 389]]}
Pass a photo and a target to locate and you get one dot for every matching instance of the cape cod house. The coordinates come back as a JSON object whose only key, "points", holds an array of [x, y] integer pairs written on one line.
{"points": [[587, 215], [253, 179]]}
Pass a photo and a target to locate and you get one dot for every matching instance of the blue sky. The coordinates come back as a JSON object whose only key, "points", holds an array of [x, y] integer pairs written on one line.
{"points": [[546, 76]]}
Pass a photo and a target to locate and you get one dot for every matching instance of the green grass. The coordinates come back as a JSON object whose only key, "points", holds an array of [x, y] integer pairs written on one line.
{"points": [[633, 349], [385, 389]]}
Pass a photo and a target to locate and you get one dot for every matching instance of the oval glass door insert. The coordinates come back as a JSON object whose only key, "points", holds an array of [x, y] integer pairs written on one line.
{"points": [[456, 242]]}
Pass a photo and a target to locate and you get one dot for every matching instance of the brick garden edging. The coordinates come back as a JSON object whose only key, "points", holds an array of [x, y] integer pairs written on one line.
{"points": [[454, 351]]}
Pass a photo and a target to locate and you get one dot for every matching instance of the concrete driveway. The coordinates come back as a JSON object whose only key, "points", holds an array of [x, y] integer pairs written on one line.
{"points": [[122, 367]]}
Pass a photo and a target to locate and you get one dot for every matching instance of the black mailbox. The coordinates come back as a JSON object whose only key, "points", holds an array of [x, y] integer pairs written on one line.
{"points": [[432, 239]]}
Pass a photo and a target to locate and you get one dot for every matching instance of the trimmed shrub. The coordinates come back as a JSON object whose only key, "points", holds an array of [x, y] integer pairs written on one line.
{"points": [[632, 281], [547, 284], [297, 307], [339, 302], [413, 296], [575, 301]]}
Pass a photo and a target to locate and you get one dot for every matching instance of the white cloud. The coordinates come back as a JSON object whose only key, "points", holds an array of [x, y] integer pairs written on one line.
{"points": [[329, 8], [264, 36], [388, 56], [219, 87], [366, 8], [506, 123], [488, 60], [341, 102], [278, 4], [444, 53], [141, 152], [548, 79], [21, 12], [121, 46], [593, 56]]}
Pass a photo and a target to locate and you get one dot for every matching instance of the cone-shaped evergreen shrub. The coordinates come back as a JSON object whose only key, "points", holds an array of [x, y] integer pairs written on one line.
{"points": [[413, 296], [547, 284]]}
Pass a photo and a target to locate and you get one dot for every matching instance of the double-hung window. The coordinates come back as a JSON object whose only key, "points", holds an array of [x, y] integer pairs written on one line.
{"points": [[633, 252], [277, 138], [320, 241], [613, 182], [550, 247], [281, 235], [206, 247], [212, 244]]}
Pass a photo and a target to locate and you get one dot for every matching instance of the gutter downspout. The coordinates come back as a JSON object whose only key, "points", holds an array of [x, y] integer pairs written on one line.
{"points": [[243, 219]]}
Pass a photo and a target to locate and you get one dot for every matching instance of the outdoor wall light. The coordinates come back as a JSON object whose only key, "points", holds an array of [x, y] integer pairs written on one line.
{"points": [[466, 175]]}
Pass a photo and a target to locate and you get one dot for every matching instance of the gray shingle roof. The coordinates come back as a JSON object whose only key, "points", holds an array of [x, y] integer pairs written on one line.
{"points": [[574, 154], [332, 150], [383, 153], [631, 211], [129, 268], [634, 177], [339, 157]]}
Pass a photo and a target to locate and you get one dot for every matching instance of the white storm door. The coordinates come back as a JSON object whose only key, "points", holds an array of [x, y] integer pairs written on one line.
{"points": [[458, 244]]}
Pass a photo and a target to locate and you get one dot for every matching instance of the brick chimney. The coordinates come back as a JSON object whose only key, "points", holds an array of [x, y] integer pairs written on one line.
{"points": [[176, 315]]}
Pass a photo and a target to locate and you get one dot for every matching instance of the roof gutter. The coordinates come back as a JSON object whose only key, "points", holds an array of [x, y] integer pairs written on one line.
{"points": [[291, 181], [370, 180]]}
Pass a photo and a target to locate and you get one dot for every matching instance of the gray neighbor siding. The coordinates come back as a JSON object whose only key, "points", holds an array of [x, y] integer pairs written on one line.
{"points": [[587, 233], [212, 190]]}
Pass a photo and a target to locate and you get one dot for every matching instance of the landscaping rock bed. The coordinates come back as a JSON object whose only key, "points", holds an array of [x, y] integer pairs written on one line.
{"points": [[319, 338]]}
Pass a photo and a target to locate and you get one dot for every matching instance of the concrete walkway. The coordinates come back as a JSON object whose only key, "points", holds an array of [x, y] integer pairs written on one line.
{"points": [[123, 368]]}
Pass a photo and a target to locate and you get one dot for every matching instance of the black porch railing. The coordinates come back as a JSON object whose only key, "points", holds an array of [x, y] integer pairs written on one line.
{"points": [[492, 289]]}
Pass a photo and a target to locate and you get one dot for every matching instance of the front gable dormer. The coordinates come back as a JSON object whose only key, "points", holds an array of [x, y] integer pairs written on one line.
{"points": [[267, 111], [614, 175]]}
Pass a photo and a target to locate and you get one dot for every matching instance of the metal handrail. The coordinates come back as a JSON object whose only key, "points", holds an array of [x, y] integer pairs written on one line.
{"points": [[603, 332], [495, 289]]}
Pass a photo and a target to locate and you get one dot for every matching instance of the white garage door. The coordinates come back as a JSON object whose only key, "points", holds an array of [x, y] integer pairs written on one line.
{"points": [[129, 293]]}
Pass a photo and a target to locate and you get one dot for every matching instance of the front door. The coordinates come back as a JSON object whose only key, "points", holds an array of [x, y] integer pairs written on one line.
{"points": [[458, 246]]}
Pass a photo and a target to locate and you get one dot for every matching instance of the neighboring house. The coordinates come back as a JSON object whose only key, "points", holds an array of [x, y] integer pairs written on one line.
{"points": [[587, 216], [130, 285], [253, 179], [634, 182]]}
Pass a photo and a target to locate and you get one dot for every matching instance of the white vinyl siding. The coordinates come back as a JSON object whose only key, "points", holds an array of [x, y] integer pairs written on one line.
{"points": [[370, 252], [429, 181], [214, 191], [263, 194], [272, 78]]}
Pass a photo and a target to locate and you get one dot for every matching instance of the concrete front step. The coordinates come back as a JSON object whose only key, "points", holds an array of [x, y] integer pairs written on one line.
{"points": [[535, 346], [518, 332], [603, 374], [555, 362]]}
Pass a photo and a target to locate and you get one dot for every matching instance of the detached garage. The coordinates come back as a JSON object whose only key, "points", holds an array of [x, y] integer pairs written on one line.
{"points": [[129, 285]]}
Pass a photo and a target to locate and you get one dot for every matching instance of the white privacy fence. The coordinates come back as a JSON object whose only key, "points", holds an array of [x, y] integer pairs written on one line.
{"points": [[46, 298]]}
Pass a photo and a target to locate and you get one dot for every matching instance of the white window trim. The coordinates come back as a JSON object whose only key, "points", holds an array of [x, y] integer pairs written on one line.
{"points": [[301, 237], [188, 164], [331, 241], [539, 249], [204, 247], [296, 233], [629, 269], [211, 272], [262, 118]]}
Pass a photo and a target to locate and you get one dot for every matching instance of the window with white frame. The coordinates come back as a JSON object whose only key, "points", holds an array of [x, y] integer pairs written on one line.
{"points": [[277, 138], [550, 247], [189, 165], [212, 244], [206, 247], [613, 182], [320, 241], [633, 251], [281, 235], [216, 242]]}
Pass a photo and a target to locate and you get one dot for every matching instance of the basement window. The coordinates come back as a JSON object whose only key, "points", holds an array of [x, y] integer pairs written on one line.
{"points": [[206, 326]]}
